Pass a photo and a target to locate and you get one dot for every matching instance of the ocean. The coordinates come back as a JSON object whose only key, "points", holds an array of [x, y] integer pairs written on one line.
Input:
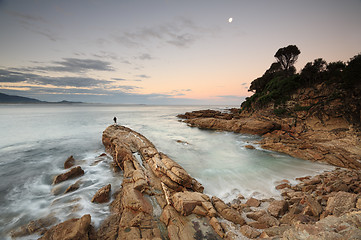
{"points": [[37, 139]]}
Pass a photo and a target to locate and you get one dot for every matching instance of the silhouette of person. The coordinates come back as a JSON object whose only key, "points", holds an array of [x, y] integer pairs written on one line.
{"points": [[115, 120]]}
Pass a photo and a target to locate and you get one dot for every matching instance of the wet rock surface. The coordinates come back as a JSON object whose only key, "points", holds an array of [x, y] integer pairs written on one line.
{"points": [[316, 136], [72, 173]]}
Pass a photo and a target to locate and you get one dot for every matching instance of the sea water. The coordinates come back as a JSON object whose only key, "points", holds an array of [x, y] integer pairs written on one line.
{"points": [[35, 141]]}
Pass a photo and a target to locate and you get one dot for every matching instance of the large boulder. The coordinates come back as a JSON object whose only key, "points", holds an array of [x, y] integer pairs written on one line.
{"points": [[76, 228], [186, 202], [72, 173], [227, 212], [278, 208], [340, 203]]}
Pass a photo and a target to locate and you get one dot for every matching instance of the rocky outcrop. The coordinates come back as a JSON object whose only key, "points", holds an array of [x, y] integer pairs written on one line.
{"points": [[311, 136], [244, 125], [158, 198], [72, 173]]}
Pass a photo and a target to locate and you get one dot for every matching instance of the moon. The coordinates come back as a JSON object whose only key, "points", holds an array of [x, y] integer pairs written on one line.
{"points": [[230, 20]]}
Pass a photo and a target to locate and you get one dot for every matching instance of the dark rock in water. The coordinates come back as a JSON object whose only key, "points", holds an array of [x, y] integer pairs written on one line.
{"points": [[72, 173], [249, 147], [36, 226], [70, 162], [76, 228], [102, 195], [73, 187], [252, 202]]}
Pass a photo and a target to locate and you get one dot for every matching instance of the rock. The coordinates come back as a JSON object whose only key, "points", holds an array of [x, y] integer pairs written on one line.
{"points": [[190, 227], [140, 182], [340, 203], [282, 186], [102, 195], [249, 232], [70, 162], [313, 206], [73, 187], [217, 226], [252, 202], [278, 208], [227, 212], [37, 226], [269, 220], [257, 225], [185, 202], [76, 228], [346, 226], [256, 215], [249, 147], [109, 228], [72, 173], [358, 203], [277, 230], [200, 211]]}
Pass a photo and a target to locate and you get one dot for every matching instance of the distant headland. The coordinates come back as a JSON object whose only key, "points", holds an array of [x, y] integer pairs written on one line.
{"points": [[13, 99]]}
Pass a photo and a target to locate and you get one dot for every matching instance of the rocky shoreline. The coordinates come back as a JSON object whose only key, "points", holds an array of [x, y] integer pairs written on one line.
{"points": [[158, 199], [333, 141]]}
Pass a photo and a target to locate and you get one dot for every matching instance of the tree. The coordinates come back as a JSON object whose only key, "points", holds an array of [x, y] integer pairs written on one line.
{"points": [[353, 72], [313, 72], [287, 56], [260, 83]]}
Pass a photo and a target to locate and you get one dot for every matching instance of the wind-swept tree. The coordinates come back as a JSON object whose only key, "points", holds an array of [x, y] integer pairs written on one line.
{"points": [[287, 56]]}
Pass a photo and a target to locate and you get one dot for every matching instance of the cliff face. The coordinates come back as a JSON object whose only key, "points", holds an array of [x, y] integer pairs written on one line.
{"points": [[319, 123]]}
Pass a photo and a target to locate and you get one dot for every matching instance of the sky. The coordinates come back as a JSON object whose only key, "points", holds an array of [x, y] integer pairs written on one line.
{"points": [[163, 51]]}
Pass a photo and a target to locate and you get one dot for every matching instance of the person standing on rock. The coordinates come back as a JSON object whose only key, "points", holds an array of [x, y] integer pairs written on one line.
{"points": [[115, 120]]}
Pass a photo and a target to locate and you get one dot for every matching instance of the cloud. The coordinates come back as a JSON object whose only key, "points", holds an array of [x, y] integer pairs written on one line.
{"points": [[243, 84], [145, 56], [143, 76], [181, 33], [74, 65], [25, 16], [7, 76], [48, 34], [119, 79], [129, 80]]}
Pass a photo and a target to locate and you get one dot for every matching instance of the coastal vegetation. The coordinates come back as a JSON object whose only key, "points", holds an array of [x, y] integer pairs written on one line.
{"points": [[276, 86]]}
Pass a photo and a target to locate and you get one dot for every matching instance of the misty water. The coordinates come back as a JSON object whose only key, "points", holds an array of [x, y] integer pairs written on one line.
{"points": [[37, 139]]}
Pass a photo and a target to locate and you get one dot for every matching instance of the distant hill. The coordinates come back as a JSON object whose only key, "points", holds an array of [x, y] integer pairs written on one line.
{"points": [[4, 98]]}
